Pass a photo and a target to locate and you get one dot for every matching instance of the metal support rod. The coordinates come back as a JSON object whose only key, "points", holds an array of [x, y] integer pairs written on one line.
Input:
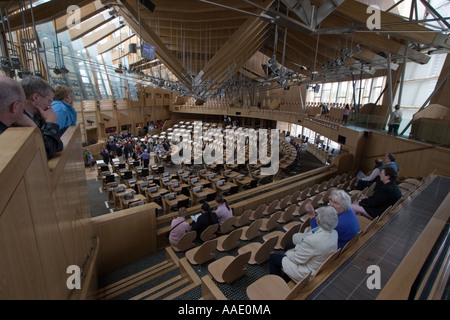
{"points": [[400, 93]]}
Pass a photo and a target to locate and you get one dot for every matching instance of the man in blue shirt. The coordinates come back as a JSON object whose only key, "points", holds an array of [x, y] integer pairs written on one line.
{"points": [[348, 224]]}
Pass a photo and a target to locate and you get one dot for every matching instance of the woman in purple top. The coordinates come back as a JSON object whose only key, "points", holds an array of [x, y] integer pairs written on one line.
{"points": [[223, 210], [179, 227]]}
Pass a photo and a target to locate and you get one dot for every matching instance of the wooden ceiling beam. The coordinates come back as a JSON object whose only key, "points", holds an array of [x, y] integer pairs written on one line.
{"points": [[101, 34], [86, 12], [129, 12], [116, 41], [42, 13]]}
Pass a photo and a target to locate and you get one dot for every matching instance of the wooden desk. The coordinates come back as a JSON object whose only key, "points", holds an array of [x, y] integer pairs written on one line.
{"points": [[231, 175], [201, 195], [167, 204], [117, 196], [216, 178], [125, 203], [155, 195], [178, 189], [225, 188], [200, 183], [244, 182]]}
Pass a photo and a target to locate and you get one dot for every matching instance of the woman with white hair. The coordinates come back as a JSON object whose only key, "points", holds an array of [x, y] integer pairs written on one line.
{"points": [[311, 248], [348, 224]]}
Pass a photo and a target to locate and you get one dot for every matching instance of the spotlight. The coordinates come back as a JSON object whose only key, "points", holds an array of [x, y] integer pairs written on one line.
{"points": [[57, 71], [148, 4], [90, 121], [64, 70], [106, 119]]}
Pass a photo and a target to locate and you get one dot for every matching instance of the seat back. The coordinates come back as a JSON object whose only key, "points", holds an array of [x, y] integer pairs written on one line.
{"points": [[263, 253], [288, 214], [385, 213], [231, 241], [294, 196], [284, 203], [272, 207], [228, 225], [287, 236], [327, 263], [258, 212], [186, 242], [236, 268], [210, 232], [272, 222], [252, 231], [298, 287], [301, 210], [351, 242], [370, 226], [243, 219], [204, 253]]}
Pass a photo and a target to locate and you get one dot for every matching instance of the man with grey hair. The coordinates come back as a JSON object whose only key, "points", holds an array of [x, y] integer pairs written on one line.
{"points": [[39, 96], [12, 100], [312, 249], [348, 225]]}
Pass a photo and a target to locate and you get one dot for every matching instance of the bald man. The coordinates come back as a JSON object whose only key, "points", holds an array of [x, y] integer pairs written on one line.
{"points": [[12, 100]]}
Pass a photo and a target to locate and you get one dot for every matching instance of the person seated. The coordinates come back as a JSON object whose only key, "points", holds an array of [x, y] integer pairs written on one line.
{"points": [[390, 161], [365, 182], [12, 101], [179, 226], [223, 210], [203, 220], [348, 224], [308, 250], [384, 196], [39, 96]]}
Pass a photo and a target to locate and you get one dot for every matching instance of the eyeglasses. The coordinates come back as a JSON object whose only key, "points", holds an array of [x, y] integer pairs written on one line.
{"points": [[49, 100]]}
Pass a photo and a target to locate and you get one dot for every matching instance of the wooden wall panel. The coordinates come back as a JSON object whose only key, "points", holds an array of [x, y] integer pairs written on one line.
{"points": [[126, 236], [44, 221], [48, 238], [21, 273]]}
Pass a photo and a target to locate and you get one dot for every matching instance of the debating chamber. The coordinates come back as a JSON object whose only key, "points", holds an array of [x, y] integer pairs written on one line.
{"points": [[232, 150]]}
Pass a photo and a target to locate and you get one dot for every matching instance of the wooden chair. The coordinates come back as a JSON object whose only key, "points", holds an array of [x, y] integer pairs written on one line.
{"points": [[284, 203], [370, 226], [210, 232], [186, 242], [288, 214], [260, 251], [273, 287], [258, 212], [293, 198], [271, 208], [328, 262], [385, 213], [301, 209], [268, 224], [252, 231], [243, 219], [229, 268], [227, 226], [304, 194], [352, 241], [229, 241], [203, 253], [283, 237], [316, 200]]}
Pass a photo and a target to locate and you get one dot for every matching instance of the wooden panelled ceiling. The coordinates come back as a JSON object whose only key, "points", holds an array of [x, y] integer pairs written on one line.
{"points": [[210, 46]]}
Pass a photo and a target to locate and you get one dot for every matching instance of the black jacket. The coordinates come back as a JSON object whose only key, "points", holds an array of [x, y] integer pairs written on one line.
{"points": [[50, 134], [203, 222], [383, 197]]}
